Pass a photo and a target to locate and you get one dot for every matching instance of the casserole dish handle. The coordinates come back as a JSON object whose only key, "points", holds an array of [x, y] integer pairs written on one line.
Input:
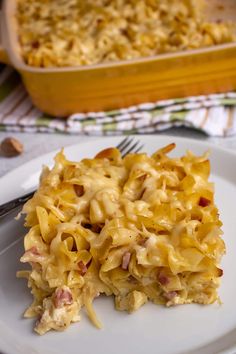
{"points": [[3, 54]]}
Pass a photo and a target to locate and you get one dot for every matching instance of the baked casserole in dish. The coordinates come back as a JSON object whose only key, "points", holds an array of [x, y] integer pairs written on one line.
{"points": [[100, 55]]}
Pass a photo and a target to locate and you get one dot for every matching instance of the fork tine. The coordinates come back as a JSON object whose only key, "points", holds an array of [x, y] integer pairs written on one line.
{"points": [[119, 146], [138, 149], [130, 148], [126, 145]]}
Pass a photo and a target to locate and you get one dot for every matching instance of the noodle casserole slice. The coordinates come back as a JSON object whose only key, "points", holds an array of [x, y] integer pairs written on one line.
{"points": [[139, 228]]}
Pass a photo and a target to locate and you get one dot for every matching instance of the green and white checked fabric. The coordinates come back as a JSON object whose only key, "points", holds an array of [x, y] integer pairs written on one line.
{"points": [[214, 114]]}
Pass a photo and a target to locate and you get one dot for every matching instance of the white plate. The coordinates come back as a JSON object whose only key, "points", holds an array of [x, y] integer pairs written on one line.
{"points": [[188, 329]]}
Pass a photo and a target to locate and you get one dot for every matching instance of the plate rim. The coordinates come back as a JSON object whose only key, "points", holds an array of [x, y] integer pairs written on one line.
{"points": [[104, 141]]}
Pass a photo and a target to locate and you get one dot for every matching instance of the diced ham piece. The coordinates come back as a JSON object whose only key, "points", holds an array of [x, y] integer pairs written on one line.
{"points": [[126, 260], [79, 190], [203, 202], [63, 297], [82, 268], [142, 177], [35, 44], [33, 250], [31, 255], [96, 228], [142, 241], [170, 295], [163, 279]]}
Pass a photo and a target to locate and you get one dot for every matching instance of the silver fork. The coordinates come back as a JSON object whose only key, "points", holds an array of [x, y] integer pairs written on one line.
{"points": [[126, 146]]}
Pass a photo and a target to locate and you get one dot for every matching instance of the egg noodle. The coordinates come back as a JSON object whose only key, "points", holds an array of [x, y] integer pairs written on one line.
{"points": [[139, 228]]}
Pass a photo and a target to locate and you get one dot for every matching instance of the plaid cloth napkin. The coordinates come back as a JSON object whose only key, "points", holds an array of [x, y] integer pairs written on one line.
{"points": [[214, 114]]}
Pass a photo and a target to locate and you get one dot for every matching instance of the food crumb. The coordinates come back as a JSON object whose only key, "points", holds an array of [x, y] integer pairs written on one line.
{"points": [[11, 147]]}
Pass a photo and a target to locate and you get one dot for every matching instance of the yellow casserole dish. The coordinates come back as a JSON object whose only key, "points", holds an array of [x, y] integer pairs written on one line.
{"points": [[63, 91]]}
